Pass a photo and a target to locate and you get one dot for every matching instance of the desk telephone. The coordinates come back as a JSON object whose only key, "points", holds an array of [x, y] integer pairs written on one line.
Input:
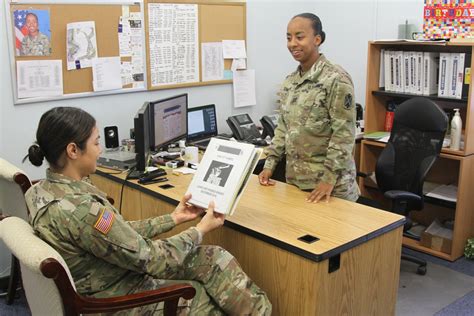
{"points": [[243, 128], [269, 123]]}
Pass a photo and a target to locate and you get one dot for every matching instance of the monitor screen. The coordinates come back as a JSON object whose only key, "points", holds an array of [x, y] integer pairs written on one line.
{"points": [[202, 122], [141, 126], [169, 121]]}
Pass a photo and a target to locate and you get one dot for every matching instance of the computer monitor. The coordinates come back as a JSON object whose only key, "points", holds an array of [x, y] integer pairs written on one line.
{"points": [[142, 130], [169, 120], [202, 123]]}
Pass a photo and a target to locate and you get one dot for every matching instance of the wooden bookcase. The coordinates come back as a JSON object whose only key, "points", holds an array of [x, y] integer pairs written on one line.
{"points": [[452, 167]]}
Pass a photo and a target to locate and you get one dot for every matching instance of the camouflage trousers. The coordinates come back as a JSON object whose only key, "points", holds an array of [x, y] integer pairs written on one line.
{"points": [[222, 287]]}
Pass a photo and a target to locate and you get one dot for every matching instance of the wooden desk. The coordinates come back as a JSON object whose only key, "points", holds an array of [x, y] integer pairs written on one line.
{"points": [[360, 245]]}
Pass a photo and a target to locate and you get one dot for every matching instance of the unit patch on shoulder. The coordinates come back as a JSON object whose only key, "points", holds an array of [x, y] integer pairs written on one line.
{"points": [[348, 101], [105, 221]]}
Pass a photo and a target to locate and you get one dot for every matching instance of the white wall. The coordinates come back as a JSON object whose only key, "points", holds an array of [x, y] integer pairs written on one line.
{"points": [[349, 25]]}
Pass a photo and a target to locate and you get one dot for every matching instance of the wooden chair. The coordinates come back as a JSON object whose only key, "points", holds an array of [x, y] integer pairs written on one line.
{"points": [[13, 185], [50, 289]]}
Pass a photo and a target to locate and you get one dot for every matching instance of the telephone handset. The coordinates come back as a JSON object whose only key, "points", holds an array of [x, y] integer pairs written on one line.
{"points": [[269, 123], [243, 128]]}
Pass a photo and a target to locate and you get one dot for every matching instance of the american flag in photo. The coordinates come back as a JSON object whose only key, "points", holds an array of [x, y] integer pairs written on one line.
{"points": [[20, 27], [105, 221]]}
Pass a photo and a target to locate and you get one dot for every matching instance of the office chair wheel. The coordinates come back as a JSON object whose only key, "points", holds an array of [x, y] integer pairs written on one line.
{"points": [[421, 270]]}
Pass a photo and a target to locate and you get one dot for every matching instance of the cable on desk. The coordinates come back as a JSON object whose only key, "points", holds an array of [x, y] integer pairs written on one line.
{"points": [[129, 171]]}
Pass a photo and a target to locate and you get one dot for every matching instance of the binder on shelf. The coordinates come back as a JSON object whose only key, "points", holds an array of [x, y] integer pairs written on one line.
{"points": [[418, 77], [457, 75], [406, 72], [398, 57], [412, 72], [382, 69], [389, 66], [445, 74], [430, 77]]}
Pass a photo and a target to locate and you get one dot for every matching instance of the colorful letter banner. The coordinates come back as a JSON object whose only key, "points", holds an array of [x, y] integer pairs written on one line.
{"points": [[448, 19]]}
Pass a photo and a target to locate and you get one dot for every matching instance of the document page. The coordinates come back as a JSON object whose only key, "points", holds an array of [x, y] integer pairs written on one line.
{"points": [[212, 61], [39, 78], [106, 72], [234, 49], [244, 88], [173, 41]]}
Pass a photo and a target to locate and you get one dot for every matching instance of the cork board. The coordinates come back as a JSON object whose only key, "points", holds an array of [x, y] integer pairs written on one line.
{"points": [[106, 18], [218, 20]]}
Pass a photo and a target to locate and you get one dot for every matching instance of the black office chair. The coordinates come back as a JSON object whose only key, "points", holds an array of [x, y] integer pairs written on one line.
{"points": [[415, 142]]}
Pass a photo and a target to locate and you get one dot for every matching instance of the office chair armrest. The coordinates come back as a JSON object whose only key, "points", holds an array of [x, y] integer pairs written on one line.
{"points": [[403, 202], [402, 195]]}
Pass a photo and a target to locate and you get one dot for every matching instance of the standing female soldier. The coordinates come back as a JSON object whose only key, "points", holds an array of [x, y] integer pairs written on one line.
{"points": [[109, 256], [316, 128]]}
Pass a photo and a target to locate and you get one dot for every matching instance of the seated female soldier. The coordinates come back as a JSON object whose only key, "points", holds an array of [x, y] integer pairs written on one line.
{"points": [[109, 256]]}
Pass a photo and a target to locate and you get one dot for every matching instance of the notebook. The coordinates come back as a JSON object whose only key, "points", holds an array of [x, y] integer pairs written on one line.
{"points": [[202, 125]]}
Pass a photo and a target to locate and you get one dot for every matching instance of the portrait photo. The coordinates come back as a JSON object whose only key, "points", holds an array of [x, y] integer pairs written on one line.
{"points": [[32, 32]]}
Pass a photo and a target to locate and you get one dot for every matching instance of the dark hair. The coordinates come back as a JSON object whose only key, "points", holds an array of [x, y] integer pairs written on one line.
{"points": [[33, 14], [315, 23], [57, 128]]}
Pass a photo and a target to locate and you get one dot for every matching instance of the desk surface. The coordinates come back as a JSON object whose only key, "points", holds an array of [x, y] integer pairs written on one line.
{"points": [[280, 215]]}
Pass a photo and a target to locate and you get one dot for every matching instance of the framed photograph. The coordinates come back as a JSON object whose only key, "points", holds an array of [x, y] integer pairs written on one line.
{"points": [[32, 32]]}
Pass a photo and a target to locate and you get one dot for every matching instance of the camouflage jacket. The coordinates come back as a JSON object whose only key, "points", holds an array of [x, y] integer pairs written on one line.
{"points": [[316, 128], [106, 254], [35, 46]]}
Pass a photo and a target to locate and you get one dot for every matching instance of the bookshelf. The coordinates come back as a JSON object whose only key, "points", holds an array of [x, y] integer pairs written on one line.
{"points": [[453, 166]]}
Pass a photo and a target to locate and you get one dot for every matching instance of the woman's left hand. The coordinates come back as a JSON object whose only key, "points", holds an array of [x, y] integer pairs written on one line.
{"points": [[322, 191], [185, 212]]}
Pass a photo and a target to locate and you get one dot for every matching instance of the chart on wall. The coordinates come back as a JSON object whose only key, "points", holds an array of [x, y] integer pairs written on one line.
{"points": [[173, 37]]}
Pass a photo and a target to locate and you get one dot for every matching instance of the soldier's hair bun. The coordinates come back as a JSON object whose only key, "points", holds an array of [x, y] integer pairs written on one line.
{"points": [[315, 24], [35, 155], [323, 36]]}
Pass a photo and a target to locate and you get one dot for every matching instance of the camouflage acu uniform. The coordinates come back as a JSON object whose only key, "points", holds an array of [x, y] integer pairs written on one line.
{"points": [[316, 129], [109, 256], [35, 45]]}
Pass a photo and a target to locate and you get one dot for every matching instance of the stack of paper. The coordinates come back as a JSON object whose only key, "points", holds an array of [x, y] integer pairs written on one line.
{"points": [[444, 192]]}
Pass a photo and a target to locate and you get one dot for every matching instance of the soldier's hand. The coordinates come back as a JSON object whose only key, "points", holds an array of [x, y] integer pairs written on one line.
{"points": [[264, 177], [321, 192], [211, 220], [185, 212]]}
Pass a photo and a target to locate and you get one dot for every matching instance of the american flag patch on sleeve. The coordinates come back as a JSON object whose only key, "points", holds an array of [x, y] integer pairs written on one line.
{"points": [[105, 221]]}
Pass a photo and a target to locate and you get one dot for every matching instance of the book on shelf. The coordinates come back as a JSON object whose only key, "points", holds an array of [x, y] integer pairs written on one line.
{"points": [[223, 174], [378, 136]]}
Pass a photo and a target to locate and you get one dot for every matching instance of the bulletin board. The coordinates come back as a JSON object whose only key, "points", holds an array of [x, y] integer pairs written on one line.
{"points": [[217, 21], [76, 83]]}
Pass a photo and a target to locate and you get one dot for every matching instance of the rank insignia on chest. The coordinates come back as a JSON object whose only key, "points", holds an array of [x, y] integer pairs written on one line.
{"points": [[105, 221], [348, 101]]}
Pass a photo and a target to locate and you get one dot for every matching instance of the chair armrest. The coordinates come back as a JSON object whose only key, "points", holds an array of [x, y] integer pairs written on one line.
{"points": [[403, 202], [75, 304], [402, 195], [168, 295]]}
